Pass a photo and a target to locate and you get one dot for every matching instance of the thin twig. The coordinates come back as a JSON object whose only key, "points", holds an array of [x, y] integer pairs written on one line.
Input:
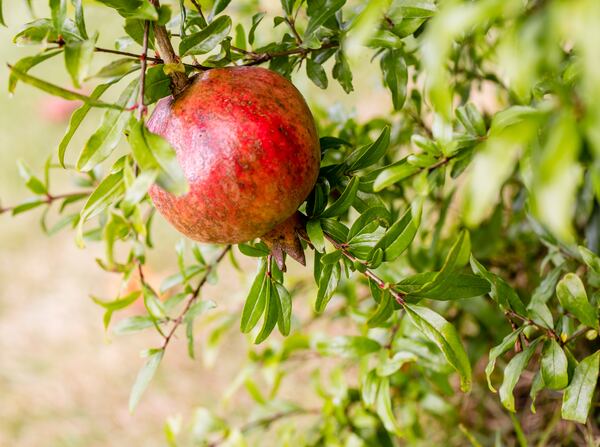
{"points": [[292, 24], [398, 296], [267, 421], [198, 8], [194, 296], [576, 335], [254, 58], [550, 332], [157, 60], [127, 54], [144, 62], [49, 199]]}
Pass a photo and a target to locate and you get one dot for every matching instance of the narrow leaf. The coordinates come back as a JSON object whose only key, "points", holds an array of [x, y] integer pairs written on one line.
{"points": [[554, 366], [105, 139], [205, 40], [444, 335], [513, 371], [505, 345], [144, 377], [344, 202], [577, 398], [58, 91], [573, 297]]}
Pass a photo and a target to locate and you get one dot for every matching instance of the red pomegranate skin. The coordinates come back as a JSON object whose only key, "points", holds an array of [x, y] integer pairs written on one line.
{"points": [[248, 146]]}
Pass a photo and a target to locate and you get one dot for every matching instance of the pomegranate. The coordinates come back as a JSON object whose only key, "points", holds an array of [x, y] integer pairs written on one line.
{"points": [[248, 146]]}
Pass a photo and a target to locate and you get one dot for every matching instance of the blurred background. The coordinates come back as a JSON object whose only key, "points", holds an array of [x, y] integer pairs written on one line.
{"points": [[63, 380]]}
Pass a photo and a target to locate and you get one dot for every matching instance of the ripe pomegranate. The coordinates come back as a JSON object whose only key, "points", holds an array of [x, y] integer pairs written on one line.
{"points": [[248, 146]]}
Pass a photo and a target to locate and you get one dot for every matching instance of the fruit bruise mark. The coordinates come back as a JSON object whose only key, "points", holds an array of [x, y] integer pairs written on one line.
{"points": [[248, 146]]}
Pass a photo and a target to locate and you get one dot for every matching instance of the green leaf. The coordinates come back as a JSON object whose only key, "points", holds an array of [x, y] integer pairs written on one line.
{"points": [[341, 205], [153, 152], [117, 69], [457, 258], [328, 281], [218, 7], [455, 287], [369, 386], [79, 18], [512, 372], [119, 303], [471, 119], [256, 19], [316, 73], [2, 22], [288, 6], [284, 321], [395, 76], [370, 154], [590, 258], [157, 85], [315, 233], [336, 229], [554, 366], [384, 311], [137, 190], [323, 13], [256, 251], [78, 57], [399, 236], [197, 309], [573, 297], [58, 91], [536, 386], [133, 324], [255, 301], [389, 366], [34, 184], [76, 120], [383, 407], [348, 346], [144, 377], [271, 311], [134, 9], [505, 345], [500, 291], [444, 335], [110, 190], [374, 215], [105, 139], [28, 205], [25, 64], [136, 28], [394, 174], [58, 11], [577, 398], [341, 71], [205, 40]]}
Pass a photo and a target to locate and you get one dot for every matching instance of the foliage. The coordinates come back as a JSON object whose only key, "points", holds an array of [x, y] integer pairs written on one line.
{"points": [[449, 233]]}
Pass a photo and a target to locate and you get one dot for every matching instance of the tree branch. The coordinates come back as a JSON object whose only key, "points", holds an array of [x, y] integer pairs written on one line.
{"points": [[398, 296], [549, 332], [49, 199], [292, 24], [179, 80], [267, 421], [194, 296], [157, 60], [144, 62], [254, 58]]}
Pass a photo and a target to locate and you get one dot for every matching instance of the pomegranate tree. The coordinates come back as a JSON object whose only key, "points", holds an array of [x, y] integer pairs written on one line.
{"points": [[460, 180]]}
